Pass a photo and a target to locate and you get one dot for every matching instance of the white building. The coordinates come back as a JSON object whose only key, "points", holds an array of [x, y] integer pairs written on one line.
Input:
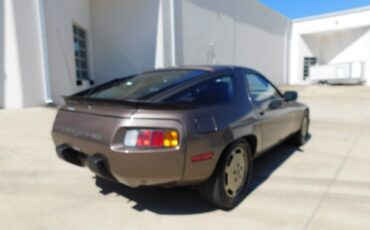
{"points": [[337, 45], [51, 48]]}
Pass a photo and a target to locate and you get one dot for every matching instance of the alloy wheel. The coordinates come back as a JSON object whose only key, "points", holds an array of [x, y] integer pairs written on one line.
{"points": [[235, 172]]}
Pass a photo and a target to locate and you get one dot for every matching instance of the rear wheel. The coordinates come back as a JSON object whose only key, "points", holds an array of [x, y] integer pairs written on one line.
{"points": [[301, 137], [229, 183]]}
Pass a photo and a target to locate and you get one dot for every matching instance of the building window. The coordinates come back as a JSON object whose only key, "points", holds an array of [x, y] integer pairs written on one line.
{"points": [[80, 49], [308, 62]]}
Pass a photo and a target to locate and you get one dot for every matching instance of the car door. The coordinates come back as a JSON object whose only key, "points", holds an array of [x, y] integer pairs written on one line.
{"points": [[271, 108]]}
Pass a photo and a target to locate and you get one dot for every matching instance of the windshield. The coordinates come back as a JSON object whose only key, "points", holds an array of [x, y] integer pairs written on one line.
{"points": [[145, 86]]}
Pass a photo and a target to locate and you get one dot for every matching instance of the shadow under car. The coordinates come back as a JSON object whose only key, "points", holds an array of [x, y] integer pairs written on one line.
{"points": [[185, 200]]}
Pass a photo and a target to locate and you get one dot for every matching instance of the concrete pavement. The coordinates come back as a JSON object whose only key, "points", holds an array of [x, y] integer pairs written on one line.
{"points": [[323, 185]]}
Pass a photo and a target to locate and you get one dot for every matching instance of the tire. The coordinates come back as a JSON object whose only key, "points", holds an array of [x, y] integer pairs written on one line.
{"points": [[235, 165], [300, 138]]}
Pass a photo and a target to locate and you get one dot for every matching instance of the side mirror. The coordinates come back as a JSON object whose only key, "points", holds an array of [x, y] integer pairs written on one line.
{"points": [[290, 96]]}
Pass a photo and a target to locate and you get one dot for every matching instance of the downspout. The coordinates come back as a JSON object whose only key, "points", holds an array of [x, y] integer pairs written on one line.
{"points": [[44, 54], [173, 35], [160, 51], [287, 57]]}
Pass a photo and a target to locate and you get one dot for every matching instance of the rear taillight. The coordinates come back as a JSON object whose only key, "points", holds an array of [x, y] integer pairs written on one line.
{"points": [[151, 138]]}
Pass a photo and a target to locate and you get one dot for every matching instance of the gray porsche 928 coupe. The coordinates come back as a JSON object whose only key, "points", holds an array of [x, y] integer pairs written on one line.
{"points": [[180, 126]]}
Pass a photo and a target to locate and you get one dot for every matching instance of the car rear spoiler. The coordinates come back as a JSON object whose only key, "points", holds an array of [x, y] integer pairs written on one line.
{"points": [[125, 103]]}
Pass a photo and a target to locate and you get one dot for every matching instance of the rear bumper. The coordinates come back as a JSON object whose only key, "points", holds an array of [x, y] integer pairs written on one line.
{"points": [[144, 175], [80, 138], [70, 155], [96, 163]]}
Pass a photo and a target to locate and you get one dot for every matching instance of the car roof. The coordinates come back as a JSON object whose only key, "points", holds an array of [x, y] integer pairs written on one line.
{"points": [[208, 68]]}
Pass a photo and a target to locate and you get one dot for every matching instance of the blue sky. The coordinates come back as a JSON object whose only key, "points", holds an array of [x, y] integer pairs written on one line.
{"points": [[304, 8]]}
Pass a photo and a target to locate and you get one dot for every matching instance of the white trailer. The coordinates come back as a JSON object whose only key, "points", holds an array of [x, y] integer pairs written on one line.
{"points": [[345, 73]]}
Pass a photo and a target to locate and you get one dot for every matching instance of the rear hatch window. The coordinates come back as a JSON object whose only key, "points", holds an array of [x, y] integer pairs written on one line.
{"points": [[144, 86]]}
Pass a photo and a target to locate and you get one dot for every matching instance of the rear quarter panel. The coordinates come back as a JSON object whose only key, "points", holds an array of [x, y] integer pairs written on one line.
{"points": [[211, 129], [231, 123]]}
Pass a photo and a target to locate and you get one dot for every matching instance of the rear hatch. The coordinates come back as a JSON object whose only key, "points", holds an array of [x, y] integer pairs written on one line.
{"points": [[96, 127], [96, 121]]}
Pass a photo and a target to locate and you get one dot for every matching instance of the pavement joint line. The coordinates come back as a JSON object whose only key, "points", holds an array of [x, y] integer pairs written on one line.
{"points": [[325, 195]]}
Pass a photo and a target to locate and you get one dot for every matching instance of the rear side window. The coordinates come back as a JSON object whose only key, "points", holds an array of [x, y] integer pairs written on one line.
{"points": [[216, 91]]}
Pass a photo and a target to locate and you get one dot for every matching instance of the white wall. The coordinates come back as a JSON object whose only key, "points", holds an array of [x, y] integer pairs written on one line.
{"points": [[21, 81], [132, 36], [2, 53], [243, 32], [60, 16], [347, 46], [125, 37], [336, 38], [12, 88]]}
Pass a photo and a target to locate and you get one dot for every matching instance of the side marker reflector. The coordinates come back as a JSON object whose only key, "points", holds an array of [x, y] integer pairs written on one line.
{"points": [[202, 157]]}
